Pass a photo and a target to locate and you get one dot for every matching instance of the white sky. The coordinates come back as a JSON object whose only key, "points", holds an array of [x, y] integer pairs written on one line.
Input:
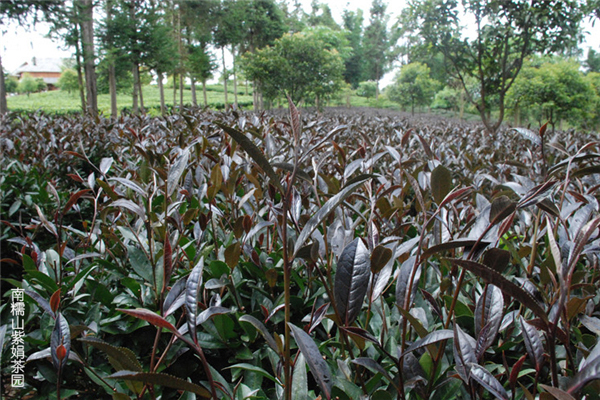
{"points": [[18, 45]]}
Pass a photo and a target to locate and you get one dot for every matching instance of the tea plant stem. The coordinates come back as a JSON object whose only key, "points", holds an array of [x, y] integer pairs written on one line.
{"points": [[534, 245], [287, 370]]}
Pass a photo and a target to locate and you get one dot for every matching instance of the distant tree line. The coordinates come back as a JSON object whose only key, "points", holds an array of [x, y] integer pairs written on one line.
{"points": [[279, 49]]}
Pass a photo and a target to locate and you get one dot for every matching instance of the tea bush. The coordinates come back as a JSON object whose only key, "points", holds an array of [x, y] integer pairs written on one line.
{"points": [[209, 254]]}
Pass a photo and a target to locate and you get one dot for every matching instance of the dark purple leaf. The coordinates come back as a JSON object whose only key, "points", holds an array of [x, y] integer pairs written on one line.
{"points": [[263, 331], [60, 341], [533, 343], [497, 259], [507, 287], [488, 381], [489, 310], [361, 333], [536, 194], [327, 208], [380, 257], [121, 358], [318, 316], [192, 291], [254, 152], [351, 281], [374, 366], [464, 353], [433, 337], [557, 393], [316, 363], [406, 283], [175, 298], [441, 183], [43, 303]]}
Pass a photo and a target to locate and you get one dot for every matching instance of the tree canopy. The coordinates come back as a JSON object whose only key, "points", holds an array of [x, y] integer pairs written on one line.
{"points": [[297, 64], [506, 33]]}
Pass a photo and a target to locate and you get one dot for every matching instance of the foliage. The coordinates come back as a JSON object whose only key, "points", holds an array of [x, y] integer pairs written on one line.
{"points": [[375, 45], [27, 84], [354, 70], [225, 252], [413, 86], [592, 62], [507, 32], [68, 81], [298, 65], [552, 90], [367, 89], [11, 83]]}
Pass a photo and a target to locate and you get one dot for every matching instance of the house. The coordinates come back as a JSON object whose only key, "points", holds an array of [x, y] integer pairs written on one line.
{"points": [[48, 69]]}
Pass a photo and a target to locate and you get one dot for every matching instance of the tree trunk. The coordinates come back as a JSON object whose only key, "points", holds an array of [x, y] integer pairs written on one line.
{"points": [[181, 92], [193, 87], [224, 78], [161, 90], [87, 36], [204, 93], [136, 80], [141, 93], [3, 104], [79, 73], [377, 84], [112, 88], [235, 94], [112, 80], [174, 91]]}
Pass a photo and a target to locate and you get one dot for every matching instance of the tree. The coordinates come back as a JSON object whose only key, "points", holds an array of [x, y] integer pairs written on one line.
{"points": [[376, 44], [320, 15], [68, 80], [298, 65], [21, 11], [246, 27], [506, 33], [11, 84], [592, 62], [354, 71], [27, 85], [555, 89], [367, 89], [413, 86], [86, 23]]}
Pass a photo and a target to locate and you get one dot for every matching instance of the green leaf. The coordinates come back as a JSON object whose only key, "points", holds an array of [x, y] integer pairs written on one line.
{"points": [[153, 378], [254, 368], [140, 263]]}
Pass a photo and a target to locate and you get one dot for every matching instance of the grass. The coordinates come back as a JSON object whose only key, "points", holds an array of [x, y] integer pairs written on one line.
{"points": [[58, 101]]}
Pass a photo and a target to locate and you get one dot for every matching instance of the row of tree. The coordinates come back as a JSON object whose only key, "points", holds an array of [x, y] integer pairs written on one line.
{"points": [[282, 49], [549, 89]]}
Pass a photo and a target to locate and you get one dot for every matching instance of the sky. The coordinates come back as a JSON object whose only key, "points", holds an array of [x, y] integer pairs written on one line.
{"points": [[19, 45]]}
